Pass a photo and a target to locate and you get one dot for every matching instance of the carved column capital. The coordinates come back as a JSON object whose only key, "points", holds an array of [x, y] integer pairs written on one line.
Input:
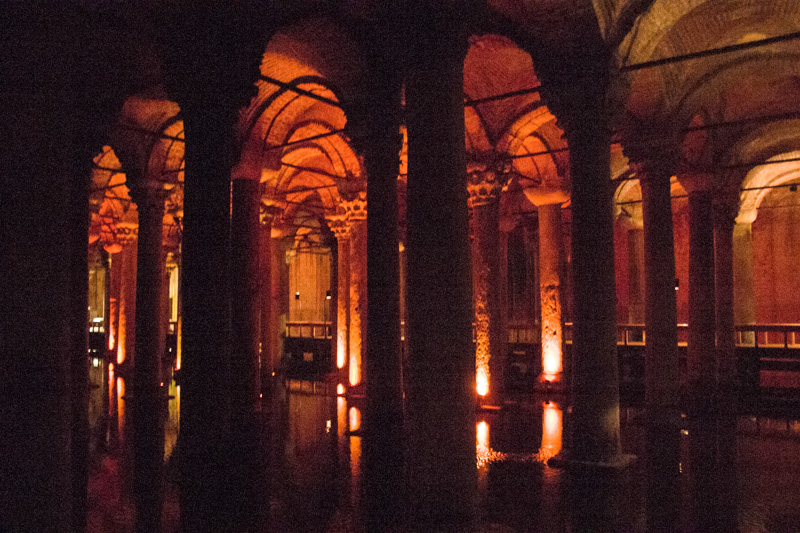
{"points": [[356, 206], [485, 182], [339, 225], [127, 232]]}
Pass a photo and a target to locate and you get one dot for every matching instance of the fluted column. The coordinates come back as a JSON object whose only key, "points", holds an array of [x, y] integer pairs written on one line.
{"points": [[441, 395], [484, 201], [341, 229], [147, 393], [662, 381], [356, 209]]}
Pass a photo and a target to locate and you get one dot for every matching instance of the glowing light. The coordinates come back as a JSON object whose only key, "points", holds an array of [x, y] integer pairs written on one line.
{"points": [[355, 419], [482, 381], [341, 416], [551, 361], [120, 353], [341, 356], [552, 426], [340, 389], [355, 372], [482, 434]]}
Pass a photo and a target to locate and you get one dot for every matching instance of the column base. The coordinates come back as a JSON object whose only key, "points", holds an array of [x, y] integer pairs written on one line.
{"points": [[618, 464], [550, 386]]}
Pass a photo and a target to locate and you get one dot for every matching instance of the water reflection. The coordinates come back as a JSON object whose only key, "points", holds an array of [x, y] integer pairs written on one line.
{"points": [[317, 468]]}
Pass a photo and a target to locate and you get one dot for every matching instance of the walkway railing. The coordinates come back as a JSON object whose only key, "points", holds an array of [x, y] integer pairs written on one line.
{"points": [[309, 330]]}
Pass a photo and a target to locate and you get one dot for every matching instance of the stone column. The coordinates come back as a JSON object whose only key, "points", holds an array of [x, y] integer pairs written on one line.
{"points": [[115, 289], [744, 296], [636, 296], [726, 204], [126, 233], [594, 424], [484, 201], [532, 284], [701, 349], [206, 319], [341, 229], [147, 401], [356, 209], [551, 276], [247, 485], [441, 395], [662, 381], [269, 310]]}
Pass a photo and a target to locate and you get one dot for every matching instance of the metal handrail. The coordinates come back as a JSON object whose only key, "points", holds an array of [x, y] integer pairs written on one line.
{"points": [[309, 330]]}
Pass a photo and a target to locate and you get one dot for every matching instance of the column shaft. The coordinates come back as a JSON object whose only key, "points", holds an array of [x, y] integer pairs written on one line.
{"points": [[127, 300], [267, 311], [744, 297], [486, 284], [662, 443], [247, 484], [551, 269], [343, 306], [358, 300], [595, 377], [441, 395], [147, 402], [636, 296], [206, 319]]}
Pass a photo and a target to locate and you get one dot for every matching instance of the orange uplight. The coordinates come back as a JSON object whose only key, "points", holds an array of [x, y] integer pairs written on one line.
{"points": [[340, 389], [551, 362], [552, 426], [341, 355], [120, 353], [355, 419], [482, 431], [355, 372], [482, 379]]}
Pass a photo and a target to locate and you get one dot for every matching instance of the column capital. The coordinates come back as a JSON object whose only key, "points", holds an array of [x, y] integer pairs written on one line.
{"points": [[127, 232], [339, 225], [696, 182], [355, 206], [485, 181], [268, 213]]}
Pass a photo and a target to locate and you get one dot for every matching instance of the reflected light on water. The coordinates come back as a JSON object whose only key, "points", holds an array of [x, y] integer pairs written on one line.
{"points": [[552, 426], [482, 383], [340, 389], [120, 404], [483, 434], [341, 416], [355, 419]]}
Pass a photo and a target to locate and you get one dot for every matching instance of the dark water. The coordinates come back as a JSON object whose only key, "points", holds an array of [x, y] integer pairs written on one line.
{"points": [[316, 470]]}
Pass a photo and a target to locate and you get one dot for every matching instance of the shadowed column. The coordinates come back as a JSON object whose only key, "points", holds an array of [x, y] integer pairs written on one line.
{"points": [[148, 398], [441, 395], [357, 219], [662, 441]]}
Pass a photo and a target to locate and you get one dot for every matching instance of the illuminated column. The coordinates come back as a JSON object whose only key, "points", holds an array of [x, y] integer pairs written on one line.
{"points": [[148, 395], [115, 287], [127, 295], [484, 200], [662, 381], [341, 229], [441, 393], [248, 484], [357, 219], [551, 275]]}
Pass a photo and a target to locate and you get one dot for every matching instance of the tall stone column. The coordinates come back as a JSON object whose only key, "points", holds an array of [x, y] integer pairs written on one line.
{"points": [[532, 284], [594, 424], [441, 395], [148, 398], [744, 295], [636, 296], [356, 209], [701, 349], [551, 275], [269, 308], [115, 289], [726, 206], [662, 381], [484, 201], [127, 235], [205, 286], [247, 485], [341, 229]]}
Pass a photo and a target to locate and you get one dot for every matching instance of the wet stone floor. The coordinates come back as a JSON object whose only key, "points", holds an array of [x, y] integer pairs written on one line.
{"points": [[316, 470]]}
